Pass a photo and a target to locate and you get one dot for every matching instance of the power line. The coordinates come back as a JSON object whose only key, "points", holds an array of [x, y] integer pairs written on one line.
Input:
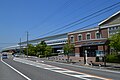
{"points": [[63, 7], [77, 21], [74, 23], [86, 20], [81, 8], [8, 43], [67, 3], [72, 13], [89, 25]]}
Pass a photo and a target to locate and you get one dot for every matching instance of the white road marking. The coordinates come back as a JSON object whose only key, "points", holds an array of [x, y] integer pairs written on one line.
{"points": [[89, 68], [52, 68], [65, 71], [79, 74], [60, 70], [16, 70]]}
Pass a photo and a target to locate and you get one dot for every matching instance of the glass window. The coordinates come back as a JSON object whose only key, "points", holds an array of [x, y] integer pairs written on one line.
{"points": [[110, 33], [79, 37], [97, 35], [109, 28], [116, 27], [71, 39], [112, 28], [88, 36]]}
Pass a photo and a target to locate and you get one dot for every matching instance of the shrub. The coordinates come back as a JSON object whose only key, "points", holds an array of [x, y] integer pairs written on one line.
{"points": [[114, 58], [41, 56]]}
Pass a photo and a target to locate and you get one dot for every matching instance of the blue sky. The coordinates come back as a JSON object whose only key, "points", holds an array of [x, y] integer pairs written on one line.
{"points": [[39, 17]]}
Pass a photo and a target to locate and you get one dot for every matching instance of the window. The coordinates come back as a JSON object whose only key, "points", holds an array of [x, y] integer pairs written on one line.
{"points": [[72, 39], [88, 36], [112, 28], [109, 28], [116, 27], [110, 32], [79, 37], [97, 35]]}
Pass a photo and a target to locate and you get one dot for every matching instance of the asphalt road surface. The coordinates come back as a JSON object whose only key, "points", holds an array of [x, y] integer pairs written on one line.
{"points": [[24, 69], [6, 73]]}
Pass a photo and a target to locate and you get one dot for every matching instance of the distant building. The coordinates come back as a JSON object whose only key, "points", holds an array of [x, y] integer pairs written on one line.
{"points": [[56, 42]]}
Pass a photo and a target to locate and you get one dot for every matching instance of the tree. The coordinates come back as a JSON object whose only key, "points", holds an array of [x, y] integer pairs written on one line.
{"points": [[43, 43], [39, 49], [48, 51], [31, 50], [115, 42], [68, 48], [43, 49]]}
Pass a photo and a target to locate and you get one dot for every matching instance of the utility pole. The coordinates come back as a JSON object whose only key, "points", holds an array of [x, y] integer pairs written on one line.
{"points": [[104, 55], [20, 46], [27, 43]]}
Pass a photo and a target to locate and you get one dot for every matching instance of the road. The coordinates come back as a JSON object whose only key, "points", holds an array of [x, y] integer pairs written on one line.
{"points": [[6, 73], [31, 70]]}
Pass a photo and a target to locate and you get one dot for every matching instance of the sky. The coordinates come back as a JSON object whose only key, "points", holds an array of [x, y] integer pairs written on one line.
{"points": [[41, 18]]}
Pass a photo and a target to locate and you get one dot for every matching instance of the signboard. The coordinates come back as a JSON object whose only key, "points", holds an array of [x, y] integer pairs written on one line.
{"points": [[99, 53]]}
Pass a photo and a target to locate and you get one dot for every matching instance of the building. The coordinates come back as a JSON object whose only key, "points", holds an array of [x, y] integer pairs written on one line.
{"points": [[56, 42], [91, 41], [112, 23], [11, 49], [94, 41]]}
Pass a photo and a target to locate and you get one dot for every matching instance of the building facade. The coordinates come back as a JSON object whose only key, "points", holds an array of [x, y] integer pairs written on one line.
{"points": [[94, 41], [112, 23], [91, 40], [56, 42]]}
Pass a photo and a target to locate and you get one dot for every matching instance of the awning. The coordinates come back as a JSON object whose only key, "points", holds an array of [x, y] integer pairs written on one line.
{"points": [[94, 43]]}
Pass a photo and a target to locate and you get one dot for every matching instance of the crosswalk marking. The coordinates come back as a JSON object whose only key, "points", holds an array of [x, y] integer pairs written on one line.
{"points": [[61, 70]]}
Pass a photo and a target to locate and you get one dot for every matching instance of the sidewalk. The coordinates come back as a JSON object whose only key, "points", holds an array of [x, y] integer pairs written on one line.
{"points": [[109, 66]]}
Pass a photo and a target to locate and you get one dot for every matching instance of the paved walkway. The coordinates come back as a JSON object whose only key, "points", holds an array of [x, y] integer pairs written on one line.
{"points": [[109, 66]]}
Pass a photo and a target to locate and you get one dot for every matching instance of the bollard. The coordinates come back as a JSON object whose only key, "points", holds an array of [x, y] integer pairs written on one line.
{"points": [[91, 64], [100, 66]]}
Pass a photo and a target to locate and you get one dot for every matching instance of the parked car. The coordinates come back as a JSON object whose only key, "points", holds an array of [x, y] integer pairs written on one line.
{"points": [[4, 56]]}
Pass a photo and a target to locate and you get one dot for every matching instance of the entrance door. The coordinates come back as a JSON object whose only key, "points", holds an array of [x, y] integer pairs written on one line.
{"points": [[91, 50]]}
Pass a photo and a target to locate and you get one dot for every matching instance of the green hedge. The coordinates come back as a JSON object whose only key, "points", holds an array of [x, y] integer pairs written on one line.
{"points": [[114, 58]]}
